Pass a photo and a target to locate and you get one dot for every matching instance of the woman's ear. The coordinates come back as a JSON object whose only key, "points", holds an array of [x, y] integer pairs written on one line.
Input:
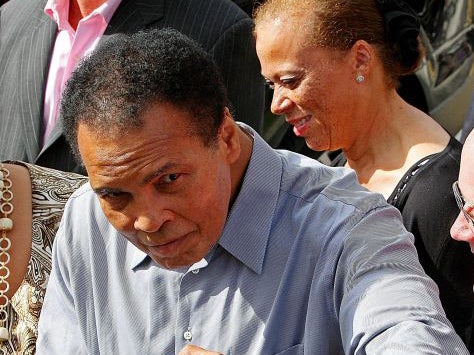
{"points": [[362, 54]]}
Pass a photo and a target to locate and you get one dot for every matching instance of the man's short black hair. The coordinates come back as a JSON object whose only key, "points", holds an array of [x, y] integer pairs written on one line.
{"points": [[128, 73]]}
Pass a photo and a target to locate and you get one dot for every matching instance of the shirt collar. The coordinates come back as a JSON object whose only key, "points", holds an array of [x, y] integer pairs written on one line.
{"points": [[248, 224], [58, 10]]}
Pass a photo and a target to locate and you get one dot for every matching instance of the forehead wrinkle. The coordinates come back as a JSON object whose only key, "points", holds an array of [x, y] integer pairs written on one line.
{"points": [[129, 162], [117, 153]]}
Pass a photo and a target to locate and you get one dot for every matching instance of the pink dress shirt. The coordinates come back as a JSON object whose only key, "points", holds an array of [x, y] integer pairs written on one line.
{"points": [[69, 48]]}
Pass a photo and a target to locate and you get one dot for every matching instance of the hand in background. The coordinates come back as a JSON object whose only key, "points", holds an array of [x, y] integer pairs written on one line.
{"points": [[196, 350]]}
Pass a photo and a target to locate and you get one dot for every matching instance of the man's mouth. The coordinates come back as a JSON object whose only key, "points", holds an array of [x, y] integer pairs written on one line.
{"points": [[167, 249]]}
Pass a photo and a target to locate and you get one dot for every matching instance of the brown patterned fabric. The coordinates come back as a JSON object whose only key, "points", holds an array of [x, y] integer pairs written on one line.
{"points": [[50, 191]]}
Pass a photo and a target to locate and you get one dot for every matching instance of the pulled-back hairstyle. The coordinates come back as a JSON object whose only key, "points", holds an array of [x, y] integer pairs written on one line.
{"points": [[389, 25], [128, 73]]}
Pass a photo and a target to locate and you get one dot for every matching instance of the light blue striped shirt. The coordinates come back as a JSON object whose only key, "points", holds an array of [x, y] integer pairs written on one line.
{"points": [[309, 262]]}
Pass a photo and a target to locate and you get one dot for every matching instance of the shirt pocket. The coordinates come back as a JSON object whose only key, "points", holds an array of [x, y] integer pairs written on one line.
{"points": [[294, 350]]}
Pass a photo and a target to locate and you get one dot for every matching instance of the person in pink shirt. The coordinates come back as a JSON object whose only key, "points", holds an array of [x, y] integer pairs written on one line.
{"points": [[42, 41]]}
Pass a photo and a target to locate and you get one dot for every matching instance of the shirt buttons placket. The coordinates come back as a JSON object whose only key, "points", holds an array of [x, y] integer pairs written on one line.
{"points": [[188, 335]]}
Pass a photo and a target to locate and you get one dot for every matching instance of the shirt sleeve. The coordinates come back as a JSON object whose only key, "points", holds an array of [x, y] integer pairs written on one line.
{"points": [[58, 329], [387, 303]]}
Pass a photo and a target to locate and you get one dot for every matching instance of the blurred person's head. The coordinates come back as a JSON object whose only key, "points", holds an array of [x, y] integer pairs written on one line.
{"points": [[463, 189], [147, 115], [326, 58]]}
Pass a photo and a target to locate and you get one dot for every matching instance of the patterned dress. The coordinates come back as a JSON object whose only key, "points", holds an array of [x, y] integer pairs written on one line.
{"points": [[50, 191]]}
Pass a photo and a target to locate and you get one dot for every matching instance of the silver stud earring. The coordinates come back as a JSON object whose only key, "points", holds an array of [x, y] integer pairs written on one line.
{"points": [[360, 78]]}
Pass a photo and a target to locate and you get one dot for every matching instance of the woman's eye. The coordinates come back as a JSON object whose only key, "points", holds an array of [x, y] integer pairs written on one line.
{"points": [[288, 81], [270, 84]]}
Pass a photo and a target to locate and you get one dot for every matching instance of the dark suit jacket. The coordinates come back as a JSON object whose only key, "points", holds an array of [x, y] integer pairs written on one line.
{"points": [[27, 35]]}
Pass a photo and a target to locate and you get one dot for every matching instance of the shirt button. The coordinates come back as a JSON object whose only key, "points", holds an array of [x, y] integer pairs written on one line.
{"points": [[188, 335], [195, 271]]}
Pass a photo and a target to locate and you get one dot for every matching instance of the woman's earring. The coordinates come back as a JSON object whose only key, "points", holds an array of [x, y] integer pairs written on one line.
{"points": [[360, 78]]}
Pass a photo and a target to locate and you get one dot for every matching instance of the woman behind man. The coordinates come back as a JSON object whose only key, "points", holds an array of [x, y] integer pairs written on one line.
{"points": [[334, 66], [39, 195]]}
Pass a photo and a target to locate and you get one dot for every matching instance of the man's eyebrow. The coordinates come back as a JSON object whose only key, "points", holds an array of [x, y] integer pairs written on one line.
{"points": [[102, 190], [165, 168]]}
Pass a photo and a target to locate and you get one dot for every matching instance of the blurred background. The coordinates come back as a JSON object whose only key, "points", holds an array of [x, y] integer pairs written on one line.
{"points": [[442, 86]]}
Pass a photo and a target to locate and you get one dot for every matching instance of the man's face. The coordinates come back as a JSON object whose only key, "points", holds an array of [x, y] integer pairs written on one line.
{"points": [[160, 186]]}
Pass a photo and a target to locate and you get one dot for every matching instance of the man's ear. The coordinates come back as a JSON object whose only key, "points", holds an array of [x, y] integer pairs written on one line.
{"points": [[229, 137]]}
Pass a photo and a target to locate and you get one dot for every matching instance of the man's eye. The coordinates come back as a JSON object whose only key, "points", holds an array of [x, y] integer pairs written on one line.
{"points": [[109, 195], [168, 179]]}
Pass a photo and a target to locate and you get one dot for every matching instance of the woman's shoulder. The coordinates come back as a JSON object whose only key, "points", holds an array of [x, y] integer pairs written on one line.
{"points": [[426, 188], [46, 179], [44, 171], [442, 167]]}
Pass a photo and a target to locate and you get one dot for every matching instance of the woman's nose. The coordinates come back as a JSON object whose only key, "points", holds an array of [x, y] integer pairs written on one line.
{"points": [[280, 102]]}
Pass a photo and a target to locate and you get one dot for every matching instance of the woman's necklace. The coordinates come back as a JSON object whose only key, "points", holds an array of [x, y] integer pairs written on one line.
{"points": [[6, 225]]}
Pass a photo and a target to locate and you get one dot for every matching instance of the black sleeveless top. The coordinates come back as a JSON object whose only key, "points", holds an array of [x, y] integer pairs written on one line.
{"points": [[425, 199]]}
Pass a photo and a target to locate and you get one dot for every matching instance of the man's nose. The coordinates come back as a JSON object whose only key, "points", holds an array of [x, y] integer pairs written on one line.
{"points": [[151, 218]]}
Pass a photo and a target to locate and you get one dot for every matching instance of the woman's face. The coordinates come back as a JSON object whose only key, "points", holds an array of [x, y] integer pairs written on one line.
{"points": [[314, 87]]}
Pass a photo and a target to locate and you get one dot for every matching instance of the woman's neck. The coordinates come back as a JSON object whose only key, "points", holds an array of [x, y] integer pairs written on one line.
{"points": [[397, 138], [379, 133]]}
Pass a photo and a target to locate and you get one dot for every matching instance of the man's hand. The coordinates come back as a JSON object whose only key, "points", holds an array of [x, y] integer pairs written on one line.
{"points": [[196, 350]]}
